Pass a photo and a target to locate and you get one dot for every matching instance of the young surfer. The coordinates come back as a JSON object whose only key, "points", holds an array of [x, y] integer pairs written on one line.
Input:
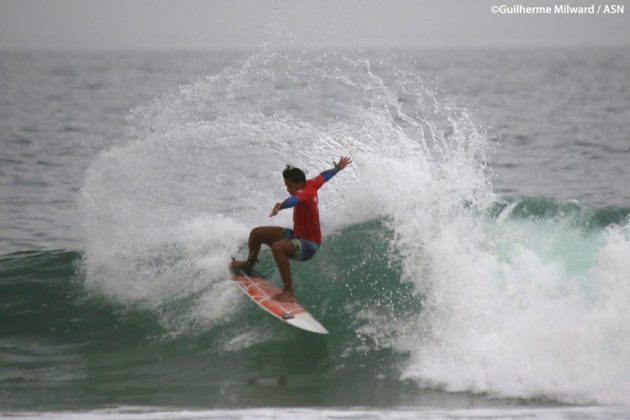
{"points": [[300, 243]]}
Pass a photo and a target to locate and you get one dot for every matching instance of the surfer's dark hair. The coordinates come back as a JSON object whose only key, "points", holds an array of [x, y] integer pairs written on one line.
{"points": [[293, 174]]}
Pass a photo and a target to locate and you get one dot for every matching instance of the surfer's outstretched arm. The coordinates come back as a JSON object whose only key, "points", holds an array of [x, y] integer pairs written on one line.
{"points": [[338, 166]]}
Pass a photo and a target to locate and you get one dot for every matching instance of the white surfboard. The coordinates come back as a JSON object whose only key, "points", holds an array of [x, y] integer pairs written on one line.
{"points": [[261, 291]]}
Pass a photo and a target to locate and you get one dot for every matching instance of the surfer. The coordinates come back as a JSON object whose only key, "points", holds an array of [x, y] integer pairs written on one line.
{"points": [[300, 243]]}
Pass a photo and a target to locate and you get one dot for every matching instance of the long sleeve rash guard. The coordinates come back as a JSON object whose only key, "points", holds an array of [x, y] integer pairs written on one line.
{"points": [[305, 209]]}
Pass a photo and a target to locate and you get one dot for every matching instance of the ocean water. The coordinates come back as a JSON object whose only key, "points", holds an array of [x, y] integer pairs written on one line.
{"points": [[476, 255]]}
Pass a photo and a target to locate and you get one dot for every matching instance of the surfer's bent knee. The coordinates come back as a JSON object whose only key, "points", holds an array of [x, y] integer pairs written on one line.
{"points": [[258, 233]]}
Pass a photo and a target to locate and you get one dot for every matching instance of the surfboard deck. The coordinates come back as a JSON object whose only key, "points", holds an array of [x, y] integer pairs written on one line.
{"points": [[260, 290]]}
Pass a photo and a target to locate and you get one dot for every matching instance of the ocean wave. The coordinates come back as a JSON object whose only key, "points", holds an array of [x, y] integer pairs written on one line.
{"points": [[421, 259]]}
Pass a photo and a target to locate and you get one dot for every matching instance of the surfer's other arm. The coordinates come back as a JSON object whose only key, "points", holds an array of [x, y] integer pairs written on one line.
{"points": [[288, 203]]}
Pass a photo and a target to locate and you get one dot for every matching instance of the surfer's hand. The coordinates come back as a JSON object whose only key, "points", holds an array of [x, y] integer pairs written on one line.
{"points": [[343, 162], [275, 210]]}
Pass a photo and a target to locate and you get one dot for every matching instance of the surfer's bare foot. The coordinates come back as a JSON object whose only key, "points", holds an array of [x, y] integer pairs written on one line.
{"points": [[284, 297], [241, 265]]}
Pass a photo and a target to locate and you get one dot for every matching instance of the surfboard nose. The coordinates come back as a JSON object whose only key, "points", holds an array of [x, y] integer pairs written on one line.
{"points": [[306, 322]]}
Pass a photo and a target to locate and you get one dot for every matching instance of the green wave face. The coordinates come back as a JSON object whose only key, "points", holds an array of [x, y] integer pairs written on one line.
{"points": [[65, 343]]}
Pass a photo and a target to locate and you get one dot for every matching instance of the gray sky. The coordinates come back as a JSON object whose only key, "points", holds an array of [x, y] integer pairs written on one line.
{"points": [[197, 24]]}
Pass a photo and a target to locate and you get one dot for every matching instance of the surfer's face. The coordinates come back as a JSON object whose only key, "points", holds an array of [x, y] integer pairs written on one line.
{"points": [[293, 187]]}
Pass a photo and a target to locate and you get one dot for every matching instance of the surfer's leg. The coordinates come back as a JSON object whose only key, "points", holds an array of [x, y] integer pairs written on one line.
{"points": [[282, 251], [267, 235]]}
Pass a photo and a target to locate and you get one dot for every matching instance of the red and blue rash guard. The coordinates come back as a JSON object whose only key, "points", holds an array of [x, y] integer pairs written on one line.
{"points": [[305, 210]]}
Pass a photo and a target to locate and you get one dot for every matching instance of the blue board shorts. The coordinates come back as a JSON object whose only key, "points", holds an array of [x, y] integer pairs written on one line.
{"points": [[304, 250]]}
